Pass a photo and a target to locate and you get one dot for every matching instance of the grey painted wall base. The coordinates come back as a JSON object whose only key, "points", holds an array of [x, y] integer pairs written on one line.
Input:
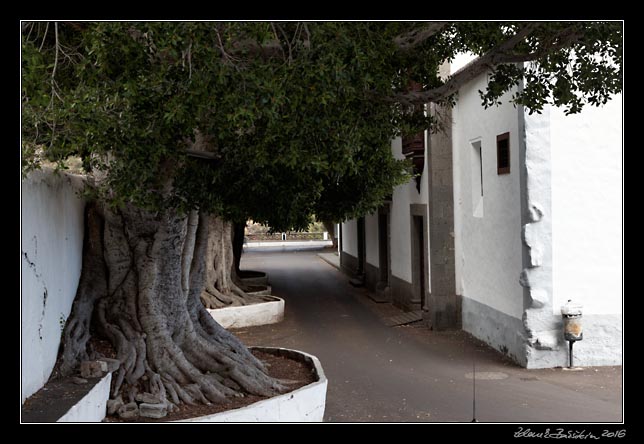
{"points": [[497, 329], [348, 263], [602, 344], [379, 291], [372, 276], [402, 294]]}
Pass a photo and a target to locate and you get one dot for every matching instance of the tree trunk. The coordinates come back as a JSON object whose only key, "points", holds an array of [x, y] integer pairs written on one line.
{"points": [[330, 228], [142, 281], [223, 288], [92, 286], [239, 232]]}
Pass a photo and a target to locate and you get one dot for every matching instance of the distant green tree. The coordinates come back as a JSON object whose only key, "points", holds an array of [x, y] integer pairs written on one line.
{"points": [[183, 127]]}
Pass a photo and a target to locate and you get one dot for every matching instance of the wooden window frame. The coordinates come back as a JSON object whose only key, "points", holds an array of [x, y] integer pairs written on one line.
{"points": [[499, 168]]}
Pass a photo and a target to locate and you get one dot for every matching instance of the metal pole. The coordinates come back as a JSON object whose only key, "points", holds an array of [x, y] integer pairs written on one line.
{"points": [[570, 352]]}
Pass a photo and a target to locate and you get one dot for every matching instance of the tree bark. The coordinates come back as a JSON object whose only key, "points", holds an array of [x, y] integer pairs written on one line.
{"points": [[223, 288], [92, 286], [145, 297], [239, 232], [330, 228]]}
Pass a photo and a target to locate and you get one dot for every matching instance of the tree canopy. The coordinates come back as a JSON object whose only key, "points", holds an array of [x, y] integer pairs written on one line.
{"points": [[289, 119]]}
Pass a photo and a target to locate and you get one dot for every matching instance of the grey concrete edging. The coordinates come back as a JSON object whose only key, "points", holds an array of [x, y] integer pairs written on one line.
{"points": [[331, 258], [250, 315], [305, 404], [310, 243], [266, 292], [259, 280], [92, 407]]}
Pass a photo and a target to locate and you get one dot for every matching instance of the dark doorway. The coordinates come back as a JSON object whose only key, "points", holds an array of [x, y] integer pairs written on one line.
{"points": [[383, 248], [383, 291], [361, 247], [419, 259], [420, 263]]}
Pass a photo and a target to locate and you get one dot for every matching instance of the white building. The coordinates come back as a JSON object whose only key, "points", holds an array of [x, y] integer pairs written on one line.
{"points": [[515, 215]]}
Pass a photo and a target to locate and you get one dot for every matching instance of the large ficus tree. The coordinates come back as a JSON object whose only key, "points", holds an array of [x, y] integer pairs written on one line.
{"points": [[184, 126]]}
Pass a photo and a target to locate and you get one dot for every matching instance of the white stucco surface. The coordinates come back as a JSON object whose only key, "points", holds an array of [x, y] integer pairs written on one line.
{"points": [[403, 196], [51, 254], [305, 404], [249, 315], [93, 406], [371, 239], [350, 237], [587, 208], [487, 241], [461, 60], [574, 203]]}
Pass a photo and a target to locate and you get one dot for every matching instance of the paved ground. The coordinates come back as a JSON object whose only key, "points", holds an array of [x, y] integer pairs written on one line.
{"points": [[408, 373], [331, 258]]}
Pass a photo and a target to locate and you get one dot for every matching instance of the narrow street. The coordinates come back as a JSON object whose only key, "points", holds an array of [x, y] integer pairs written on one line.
{"points": [[407, 373]]}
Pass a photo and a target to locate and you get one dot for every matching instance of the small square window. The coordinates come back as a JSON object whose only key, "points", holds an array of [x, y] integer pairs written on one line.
{"points": [[503, 153]]}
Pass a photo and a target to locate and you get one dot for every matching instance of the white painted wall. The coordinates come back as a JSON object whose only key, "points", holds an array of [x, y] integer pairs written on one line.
{"points": [[263, 313], [403, 196], [350, 237], [371, 239], [488, 245], [461, 60], [587, 220], [51, 254]]}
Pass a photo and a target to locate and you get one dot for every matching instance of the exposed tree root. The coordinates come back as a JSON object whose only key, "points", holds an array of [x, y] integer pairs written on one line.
{"points": [[223, 288], [147, 303], [91, 287]]}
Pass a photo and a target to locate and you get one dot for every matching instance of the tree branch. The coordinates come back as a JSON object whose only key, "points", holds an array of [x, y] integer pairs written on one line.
{"points": [[201, 154], [416, 37], [307, 42], [563, 40], [54, 93], [290, 50], [53, 71], [270, 49], [44, 36], [277, 38], [500, 54]]}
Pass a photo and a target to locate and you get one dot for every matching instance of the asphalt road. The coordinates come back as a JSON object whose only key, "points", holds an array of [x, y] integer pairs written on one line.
{"points": [[408, 373]]}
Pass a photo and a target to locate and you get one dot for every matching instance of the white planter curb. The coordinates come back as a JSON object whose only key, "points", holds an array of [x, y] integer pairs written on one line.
{"points": [[92, 407], [305, 404], [249, 315]]}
